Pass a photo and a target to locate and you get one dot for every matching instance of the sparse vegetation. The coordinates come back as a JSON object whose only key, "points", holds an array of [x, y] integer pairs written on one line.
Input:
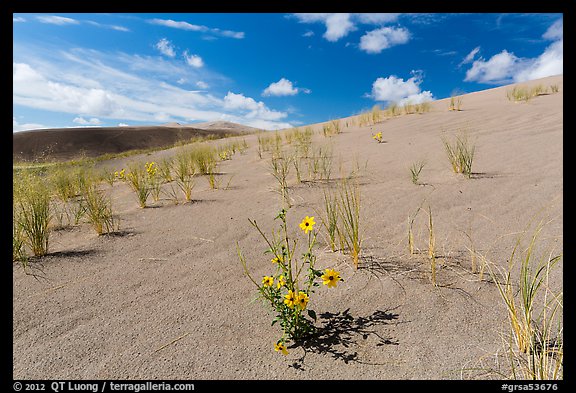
{"points": [[534, 344], [32, 215], [455, 103], [349, 206], [415, 170], [460, 153]]}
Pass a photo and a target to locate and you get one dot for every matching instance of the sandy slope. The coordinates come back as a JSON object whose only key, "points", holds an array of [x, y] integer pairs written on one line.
{"points": [[166, 297]]}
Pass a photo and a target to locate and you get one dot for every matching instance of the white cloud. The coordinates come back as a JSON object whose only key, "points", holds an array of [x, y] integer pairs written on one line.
{"points": [[555, 32], [308, 33], [551, 62], [193, 60], [16, 126], [376, 41], [123, 125], [500, 68], [191, 27], [506, 67], [113, 27], [376, 18], [177, 25], [283, 87], [127, 88], [57, 20], [16, 19], [470, 56], [165, 47], [255, 110], [338, 25], [82, 121], [394, 89]]}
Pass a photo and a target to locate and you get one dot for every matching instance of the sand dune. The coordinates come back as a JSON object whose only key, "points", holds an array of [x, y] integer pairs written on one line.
{"points": [[166, 297], [60, 144]]}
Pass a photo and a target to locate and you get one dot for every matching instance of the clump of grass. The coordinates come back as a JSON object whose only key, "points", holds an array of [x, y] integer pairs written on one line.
{"points": [[331, 218], [554, 88], [376, 114], [349, 207], [165, 170], [422, 107], [33, 215], [280, 168], [64, 184], [138, 179], [393, 110], [460, 153], [534, 346], [431, 247], [184, 171], [415, 170], [409, 108], [18, 252], [98, 209], [455, 104], [365, 119]]}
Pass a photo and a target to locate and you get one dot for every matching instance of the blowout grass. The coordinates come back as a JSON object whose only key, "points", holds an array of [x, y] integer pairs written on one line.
{"points": [[460, 153], [98, 208], [534, 343], [33, 215]]}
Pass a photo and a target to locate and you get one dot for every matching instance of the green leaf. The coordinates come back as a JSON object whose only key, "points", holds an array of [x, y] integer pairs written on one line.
{"points": [[312, 314]]}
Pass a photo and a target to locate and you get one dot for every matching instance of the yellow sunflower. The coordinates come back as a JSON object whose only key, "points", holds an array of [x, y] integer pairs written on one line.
{"points": [[280, 347], [290, 299], [330, 278], [307, 224], [267, 281]]}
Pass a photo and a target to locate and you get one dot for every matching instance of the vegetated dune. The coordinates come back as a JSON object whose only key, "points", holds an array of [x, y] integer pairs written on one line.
{"points": [[166, 296], [60, 144]]}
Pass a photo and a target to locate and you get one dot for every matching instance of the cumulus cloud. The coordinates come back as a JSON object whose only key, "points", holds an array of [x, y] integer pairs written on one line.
{"points": [[181, 25], [253, 108], [376, 41], [57, 20], [506, 67], [283, 87], [87, 122], [394, 89], [339, 25], [165, 47], [202, 85]]}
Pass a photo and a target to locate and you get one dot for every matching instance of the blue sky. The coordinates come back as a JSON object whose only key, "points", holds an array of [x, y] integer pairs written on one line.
{"points": [[269, 71]]}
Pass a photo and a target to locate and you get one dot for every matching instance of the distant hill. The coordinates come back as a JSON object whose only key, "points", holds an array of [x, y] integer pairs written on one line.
{"points": [[60, 144]]}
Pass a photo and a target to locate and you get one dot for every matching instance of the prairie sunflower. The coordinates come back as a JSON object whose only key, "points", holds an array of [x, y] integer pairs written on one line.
{"points": [[290, 299], [280, 347], [267, 281], [330, 278], [307, 224]]}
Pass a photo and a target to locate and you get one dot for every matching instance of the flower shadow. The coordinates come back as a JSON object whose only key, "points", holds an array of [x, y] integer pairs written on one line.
{"points": [[340, 333]]}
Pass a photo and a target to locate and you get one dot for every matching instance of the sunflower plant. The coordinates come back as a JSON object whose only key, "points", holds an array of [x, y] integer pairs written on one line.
{"points": [[378, 137], [295, 279]]}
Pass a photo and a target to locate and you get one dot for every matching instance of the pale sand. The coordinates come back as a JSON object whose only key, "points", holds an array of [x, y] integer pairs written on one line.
{"points": [[167, 299]]}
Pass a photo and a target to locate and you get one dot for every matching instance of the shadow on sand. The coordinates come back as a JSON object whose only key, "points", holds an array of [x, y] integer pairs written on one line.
{"points": [[339, 334]]}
